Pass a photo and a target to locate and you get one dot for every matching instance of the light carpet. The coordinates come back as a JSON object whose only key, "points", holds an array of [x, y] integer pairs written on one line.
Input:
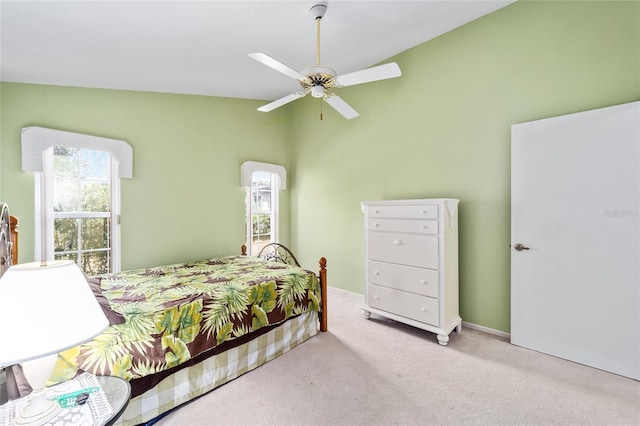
{"points": [[379, 372]]}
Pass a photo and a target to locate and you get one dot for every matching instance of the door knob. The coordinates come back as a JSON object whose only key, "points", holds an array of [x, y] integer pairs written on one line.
{"points": [[520, 247]]}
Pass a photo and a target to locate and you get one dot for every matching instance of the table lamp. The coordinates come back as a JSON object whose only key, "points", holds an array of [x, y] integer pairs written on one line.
{"points": [[45, 308]]}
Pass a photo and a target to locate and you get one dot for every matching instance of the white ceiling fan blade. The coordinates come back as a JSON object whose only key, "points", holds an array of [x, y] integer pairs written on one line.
{"points": [[342, 107], [279, 102], [277, 65], [381, 72]]}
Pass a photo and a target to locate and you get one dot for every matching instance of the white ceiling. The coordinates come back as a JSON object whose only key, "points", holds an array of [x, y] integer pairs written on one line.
{"points": [[201, 47]]}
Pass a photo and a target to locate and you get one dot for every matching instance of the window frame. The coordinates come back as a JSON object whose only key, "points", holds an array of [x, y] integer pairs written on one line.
{"points": [[44, 249], [35, 142], [278, 182]]}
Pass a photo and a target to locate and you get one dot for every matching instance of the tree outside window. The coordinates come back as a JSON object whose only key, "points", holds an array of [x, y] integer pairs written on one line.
{"points": [[82, 208]]}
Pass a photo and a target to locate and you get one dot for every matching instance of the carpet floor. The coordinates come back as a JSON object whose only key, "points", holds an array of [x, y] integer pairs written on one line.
{"points": [[379, 372]]}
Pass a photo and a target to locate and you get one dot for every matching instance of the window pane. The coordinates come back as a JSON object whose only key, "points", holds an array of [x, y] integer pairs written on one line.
{"points": [[67, 256], [261, 227], [261, 191], [262, 210], [82, 190], [95, 263], [81, 180], [96, 196], [65, 186], [65, 194], [65, 235], [95, 233], [65, 160], [94, 164]]}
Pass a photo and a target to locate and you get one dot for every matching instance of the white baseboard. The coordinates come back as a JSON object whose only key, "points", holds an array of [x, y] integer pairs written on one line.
{"points": [[484, 329], [345, 291], [464, 323]]}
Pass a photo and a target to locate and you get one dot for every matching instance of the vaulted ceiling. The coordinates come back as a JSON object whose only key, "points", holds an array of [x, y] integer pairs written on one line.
{"points": [[202, 47]]}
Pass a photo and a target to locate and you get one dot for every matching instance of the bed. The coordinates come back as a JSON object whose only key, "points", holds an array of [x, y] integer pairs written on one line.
{"points": [[179, 331]]}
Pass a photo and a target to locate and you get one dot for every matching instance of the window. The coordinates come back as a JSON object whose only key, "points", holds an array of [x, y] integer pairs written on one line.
{"points": [[82, 187], [77, 188], [262, 182], [262, 211]]}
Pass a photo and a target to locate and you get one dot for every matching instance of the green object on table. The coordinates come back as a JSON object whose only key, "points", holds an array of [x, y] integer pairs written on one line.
{"points": [[69, 400]]}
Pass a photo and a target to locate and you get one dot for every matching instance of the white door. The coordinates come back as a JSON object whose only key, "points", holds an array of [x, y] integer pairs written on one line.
{"points": [[575, 206]]}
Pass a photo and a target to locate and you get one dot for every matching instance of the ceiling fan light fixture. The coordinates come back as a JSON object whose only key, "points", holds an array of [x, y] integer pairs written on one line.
{"points": [[317, 91], [320, 80]]}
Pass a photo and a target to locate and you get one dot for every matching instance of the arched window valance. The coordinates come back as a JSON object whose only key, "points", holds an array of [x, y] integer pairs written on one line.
{"points": [[249, 167], [35, 140]]}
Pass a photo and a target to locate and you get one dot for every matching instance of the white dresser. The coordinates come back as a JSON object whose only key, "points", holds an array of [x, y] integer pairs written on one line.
{"points": [[411, 263]]}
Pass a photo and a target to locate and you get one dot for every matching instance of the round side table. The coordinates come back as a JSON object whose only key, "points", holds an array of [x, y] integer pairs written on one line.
{"points": [[118, 393]]}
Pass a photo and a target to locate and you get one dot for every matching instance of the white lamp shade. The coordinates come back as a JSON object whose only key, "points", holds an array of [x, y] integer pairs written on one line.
{"points": [[45, 308]]}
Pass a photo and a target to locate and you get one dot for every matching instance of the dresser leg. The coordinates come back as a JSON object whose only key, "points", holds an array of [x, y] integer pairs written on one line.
{"points": [[443, 339], [366, 314], [459, 328]]}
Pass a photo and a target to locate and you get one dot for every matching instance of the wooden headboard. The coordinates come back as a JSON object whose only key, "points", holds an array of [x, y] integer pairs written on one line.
{"points": [[13, 224], [8, 239]]}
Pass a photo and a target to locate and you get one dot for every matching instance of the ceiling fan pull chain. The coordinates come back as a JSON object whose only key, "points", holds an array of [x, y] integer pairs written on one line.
{"points": [[319, 80]]}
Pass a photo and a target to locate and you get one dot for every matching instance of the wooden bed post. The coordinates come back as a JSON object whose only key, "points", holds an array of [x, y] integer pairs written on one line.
{"points": [[323, 289], [13, 224]]}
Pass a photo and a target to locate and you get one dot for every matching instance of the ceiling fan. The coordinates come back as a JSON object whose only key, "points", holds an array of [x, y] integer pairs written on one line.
{"points": [[319, 80]]}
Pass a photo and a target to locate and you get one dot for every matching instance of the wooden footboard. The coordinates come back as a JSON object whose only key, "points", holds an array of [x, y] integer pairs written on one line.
{"points": [[322, 276]]}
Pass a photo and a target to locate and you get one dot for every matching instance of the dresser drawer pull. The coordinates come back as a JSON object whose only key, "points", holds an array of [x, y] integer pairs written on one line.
{"points": [[377, 272], [397, 242], [424, 282], [376, 225], [424, 227], [423, 309]]}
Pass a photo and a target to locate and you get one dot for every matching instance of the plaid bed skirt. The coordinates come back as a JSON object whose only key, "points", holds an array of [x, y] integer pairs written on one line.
{"points": [[191, 382]]}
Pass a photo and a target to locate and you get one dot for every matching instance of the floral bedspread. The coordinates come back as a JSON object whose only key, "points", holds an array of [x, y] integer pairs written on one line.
{"points": [[176, 312]]}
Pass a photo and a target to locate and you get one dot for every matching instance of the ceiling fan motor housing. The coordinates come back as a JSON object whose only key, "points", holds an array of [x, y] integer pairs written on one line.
{"points": [[319, 80], [318, 76]]}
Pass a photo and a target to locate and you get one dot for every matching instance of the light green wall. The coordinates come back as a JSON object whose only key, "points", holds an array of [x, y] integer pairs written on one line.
{"points": [[443, 130], [185, 201]]}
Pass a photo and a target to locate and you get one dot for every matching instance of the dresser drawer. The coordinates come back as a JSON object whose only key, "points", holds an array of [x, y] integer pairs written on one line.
{"points": [[404, 249], [407, 278], [419, 308], [404, 225], [404, 212]]}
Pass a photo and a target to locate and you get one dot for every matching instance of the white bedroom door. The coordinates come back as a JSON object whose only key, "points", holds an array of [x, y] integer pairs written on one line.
{"points": [[575, 237]]}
